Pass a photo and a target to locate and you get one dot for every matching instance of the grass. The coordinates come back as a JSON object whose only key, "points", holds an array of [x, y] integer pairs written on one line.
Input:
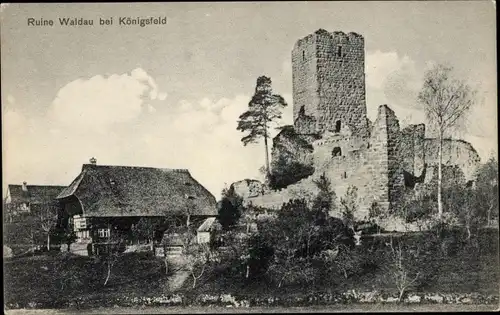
{"points": [[64, 277]]}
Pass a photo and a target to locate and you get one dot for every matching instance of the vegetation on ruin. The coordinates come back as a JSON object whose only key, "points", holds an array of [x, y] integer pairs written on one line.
{"points": [[286, 172]]}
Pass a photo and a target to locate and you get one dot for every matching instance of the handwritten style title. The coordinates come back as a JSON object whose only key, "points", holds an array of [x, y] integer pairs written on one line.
{"points": [[122, 21]]}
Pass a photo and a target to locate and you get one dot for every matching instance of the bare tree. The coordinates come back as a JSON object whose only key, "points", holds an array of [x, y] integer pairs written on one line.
{"points": [[402, 276], [446, 101], [197, 256], [47, 218], [113, 249]]}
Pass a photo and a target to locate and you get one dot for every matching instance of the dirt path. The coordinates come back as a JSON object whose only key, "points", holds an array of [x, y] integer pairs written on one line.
{"points": [[176, 280]]}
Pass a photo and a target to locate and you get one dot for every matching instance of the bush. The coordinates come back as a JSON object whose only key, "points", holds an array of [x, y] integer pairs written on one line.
{"points": [[285, 172]]}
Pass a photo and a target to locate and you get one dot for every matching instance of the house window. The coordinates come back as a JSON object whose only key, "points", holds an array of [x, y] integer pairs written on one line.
{"points": [[339, 51], [79, 223], [337, 151], [343, 175], [103, 232], [337, 126]]}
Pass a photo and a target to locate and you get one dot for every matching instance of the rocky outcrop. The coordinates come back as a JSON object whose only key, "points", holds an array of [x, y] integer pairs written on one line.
{"points": [[248, 188]]}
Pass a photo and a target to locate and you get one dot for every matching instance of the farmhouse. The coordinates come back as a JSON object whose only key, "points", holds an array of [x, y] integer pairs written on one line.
{"points": [[106, 201], [22, 200]]}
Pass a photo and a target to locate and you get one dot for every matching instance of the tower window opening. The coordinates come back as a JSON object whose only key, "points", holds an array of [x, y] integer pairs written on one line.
{"points": [[339, 51], [337, 151], [344, 175], [303, 55], [337, 126]]}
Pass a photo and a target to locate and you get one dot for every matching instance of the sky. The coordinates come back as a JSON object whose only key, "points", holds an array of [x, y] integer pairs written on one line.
{"points": [[169, 96]]}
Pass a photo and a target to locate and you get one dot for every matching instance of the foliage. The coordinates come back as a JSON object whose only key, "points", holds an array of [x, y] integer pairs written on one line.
{"points": [[487, 189], [263, 110], [297, 237], [446, 102], [145, 229], [325, 200], [286, 172], [349, 205], [230, 210], [376, 214]]}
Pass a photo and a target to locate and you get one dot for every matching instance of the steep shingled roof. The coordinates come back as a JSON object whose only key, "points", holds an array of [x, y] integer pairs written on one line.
{"points": [[138, 191], [34, 194]]}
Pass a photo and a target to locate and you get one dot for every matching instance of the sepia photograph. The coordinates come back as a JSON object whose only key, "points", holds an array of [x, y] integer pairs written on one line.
{"points": [[249, 157]]}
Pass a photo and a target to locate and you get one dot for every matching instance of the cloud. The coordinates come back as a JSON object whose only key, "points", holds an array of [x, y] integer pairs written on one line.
{"points": [[393, 80], [100, 101], [11, 99]]}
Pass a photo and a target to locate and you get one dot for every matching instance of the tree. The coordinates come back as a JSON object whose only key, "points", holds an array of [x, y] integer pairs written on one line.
{"points": [[325, 200], [46, 215], [376, 214], [297, 236], [404, 278], [349, 206], [113, 248], [263, 110], [146, 228], [196, 256], [230, 209], [487, 188], [446, 102]]}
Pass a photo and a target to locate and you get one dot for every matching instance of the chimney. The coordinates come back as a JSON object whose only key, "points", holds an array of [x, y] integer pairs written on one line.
{"points": [[25, 187], [93, 161]]}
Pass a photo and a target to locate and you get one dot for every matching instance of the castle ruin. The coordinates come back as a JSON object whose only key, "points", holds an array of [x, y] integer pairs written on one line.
{"points": [[329, 111]]}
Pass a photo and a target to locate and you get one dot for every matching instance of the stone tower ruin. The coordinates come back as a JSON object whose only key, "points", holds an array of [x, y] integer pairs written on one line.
{"points": [[329, 83], [333, 137]]}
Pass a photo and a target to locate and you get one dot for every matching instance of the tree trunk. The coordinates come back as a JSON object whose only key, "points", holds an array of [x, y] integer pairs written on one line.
{"points": [[468, 232], [166, 263], [268, 171], [401, 295], [488, 219], [48, 241], [440, 175], [248, 271], [194, 281], [109, 274]]}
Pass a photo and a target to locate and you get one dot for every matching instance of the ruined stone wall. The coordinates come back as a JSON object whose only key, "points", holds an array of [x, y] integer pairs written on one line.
{"points": [[455, 152], [412, 149], [395, 159], [248, 188]]}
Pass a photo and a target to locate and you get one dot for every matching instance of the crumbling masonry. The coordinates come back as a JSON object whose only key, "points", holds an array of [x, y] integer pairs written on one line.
{"points": [[329, 112]]}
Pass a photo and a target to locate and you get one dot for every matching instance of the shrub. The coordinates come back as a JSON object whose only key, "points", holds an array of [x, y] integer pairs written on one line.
{"points": [[230, 209], [286, 173]]}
